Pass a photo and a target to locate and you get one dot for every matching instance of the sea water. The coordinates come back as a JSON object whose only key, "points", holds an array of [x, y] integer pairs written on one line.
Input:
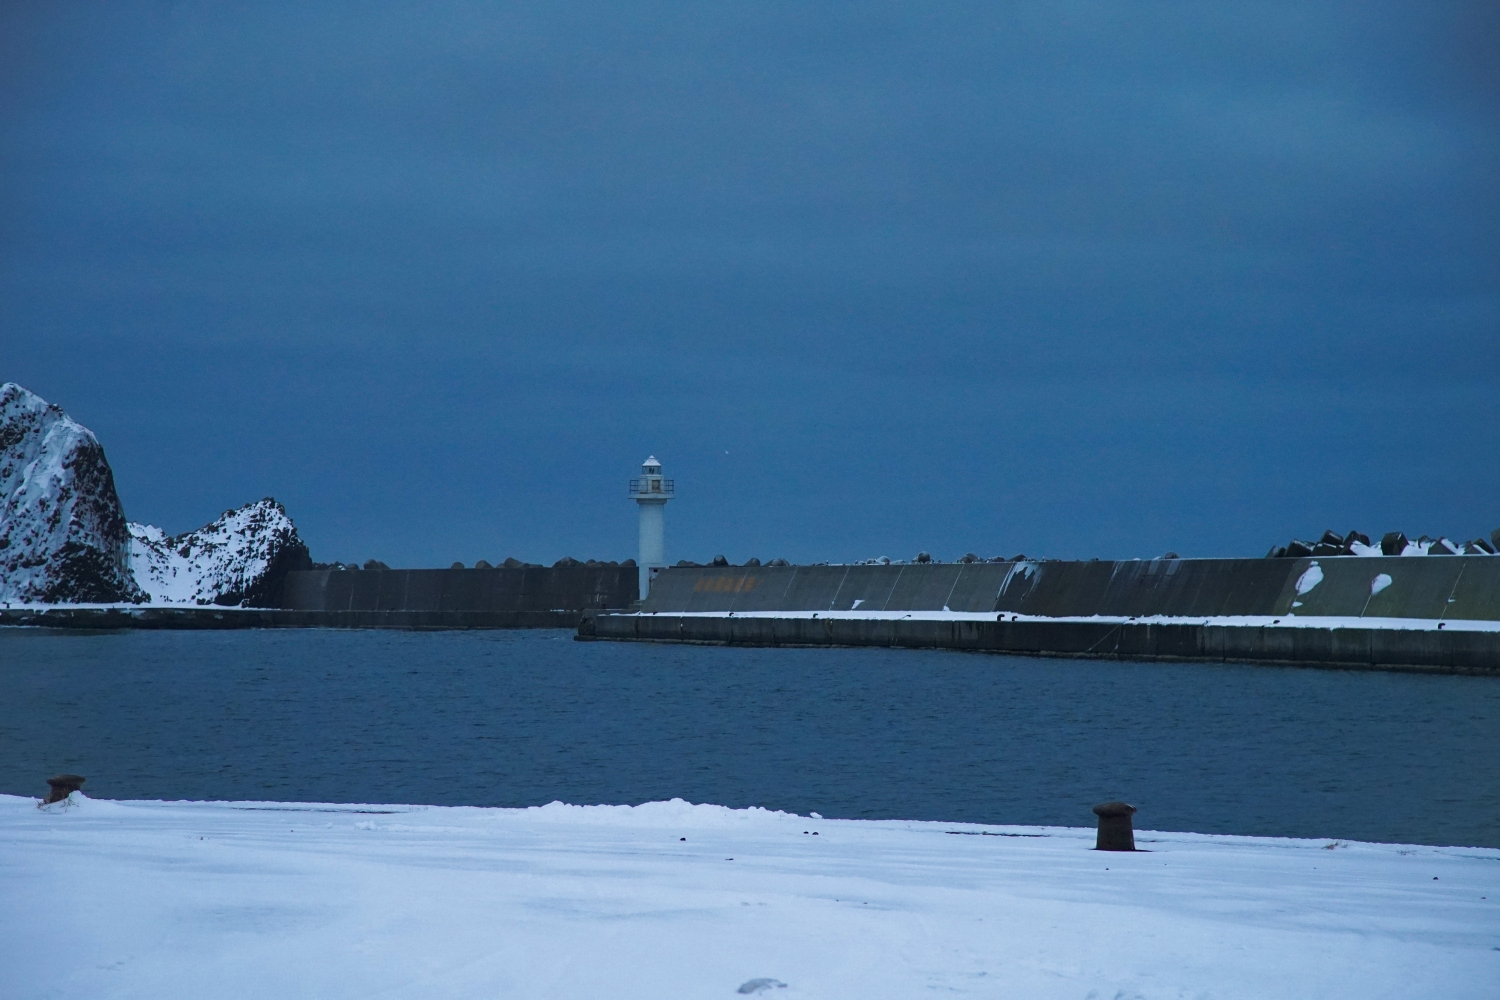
{"points": [[517, 718]]}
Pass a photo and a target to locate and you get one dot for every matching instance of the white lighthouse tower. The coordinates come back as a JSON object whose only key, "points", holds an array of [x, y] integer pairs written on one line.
{"points": [[651, 492]]}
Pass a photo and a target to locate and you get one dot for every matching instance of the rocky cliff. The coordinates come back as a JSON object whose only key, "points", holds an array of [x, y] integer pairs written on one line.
{"points": [[63, 538], [240, 559]]}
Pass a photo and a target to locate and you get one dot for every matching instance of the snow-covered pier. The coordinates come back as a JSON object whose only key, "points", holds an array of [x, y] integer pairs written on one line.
{"points": [[1399, 613], [265, 899], [1426, 646]]}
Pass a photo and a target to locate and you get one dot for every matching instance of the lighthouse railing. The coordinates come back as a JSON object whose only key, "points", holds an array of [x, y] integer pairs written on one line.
{"points": [[643, 487]]}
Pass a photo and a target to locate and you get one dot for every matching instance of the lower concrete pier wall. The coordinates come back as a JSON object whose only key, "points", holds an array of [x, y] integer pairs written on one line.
{"points": [[1423, 650]]}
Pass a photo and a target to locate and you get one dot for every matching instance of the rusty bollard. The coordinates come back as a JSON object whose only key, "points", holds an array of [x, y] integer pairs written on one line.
{"points": [[63, 785], [1115, 833]]}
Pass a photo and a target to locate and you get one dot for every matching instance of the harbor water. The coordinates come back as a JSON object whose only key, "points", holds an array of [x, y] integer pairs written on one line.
{"points": [[517, 718]]}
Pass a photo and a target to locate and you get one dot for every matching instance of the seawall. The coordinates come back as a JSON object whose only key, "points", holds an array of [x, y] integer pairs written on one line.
{"points": [[1308, 610], [529, 597], [528, 589], [1428, 587]]}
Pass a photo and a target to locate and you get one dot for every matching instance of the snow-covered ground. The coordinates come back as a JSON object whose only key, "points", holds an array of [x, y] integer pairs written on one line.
{"points": [[149, 899], [1241, 621]]}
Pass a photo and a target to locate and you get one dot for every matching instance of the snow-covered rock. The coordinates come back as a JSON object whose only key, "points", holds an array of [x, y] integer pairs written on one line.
{"points": [[63, 538], [240, 559], [1393, 543]]}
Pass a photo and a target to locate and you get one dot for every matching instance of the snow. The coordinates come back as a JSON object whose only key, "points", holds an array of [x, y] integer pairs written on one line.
{"points": [[248, 900], [1310, 578], [1418, 547], [1025, 570], [1425, 547], [1239, 621]]}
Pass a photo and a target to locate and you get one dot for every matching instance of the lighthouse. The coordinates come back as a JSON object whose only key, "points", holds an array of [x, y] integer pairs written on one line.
{"points": [[651, 493]]}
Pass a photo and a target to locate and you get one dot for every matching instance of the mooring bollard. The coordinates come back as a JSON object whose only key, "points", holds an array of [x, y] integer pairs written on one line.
{"points": [[1115, 833], [63, 785]]}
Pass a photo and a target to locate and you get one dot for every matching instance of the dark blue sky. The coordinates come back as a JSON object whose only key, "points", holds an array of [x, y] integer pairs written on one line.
{"points": [[1071, 279]]}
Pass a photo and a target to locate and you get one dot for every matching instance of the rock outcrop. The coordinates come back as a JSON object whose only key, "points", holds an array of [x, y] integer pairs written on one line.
{"points": [[239, 560], [1393, 543], [63, 536]]}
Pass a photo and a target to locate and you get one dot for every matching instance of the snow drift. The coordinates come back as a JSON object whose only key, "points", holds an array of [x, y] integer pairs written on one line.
{"points": [[64, 538], [333, 900]]}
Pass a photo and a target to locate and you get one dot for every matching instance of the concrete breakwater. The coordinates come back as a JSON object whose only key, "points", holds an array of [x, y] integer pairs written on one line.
{"points": [[499, 589], [523, 597], [1427, 587], [195, 618], [1307, 611]]}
